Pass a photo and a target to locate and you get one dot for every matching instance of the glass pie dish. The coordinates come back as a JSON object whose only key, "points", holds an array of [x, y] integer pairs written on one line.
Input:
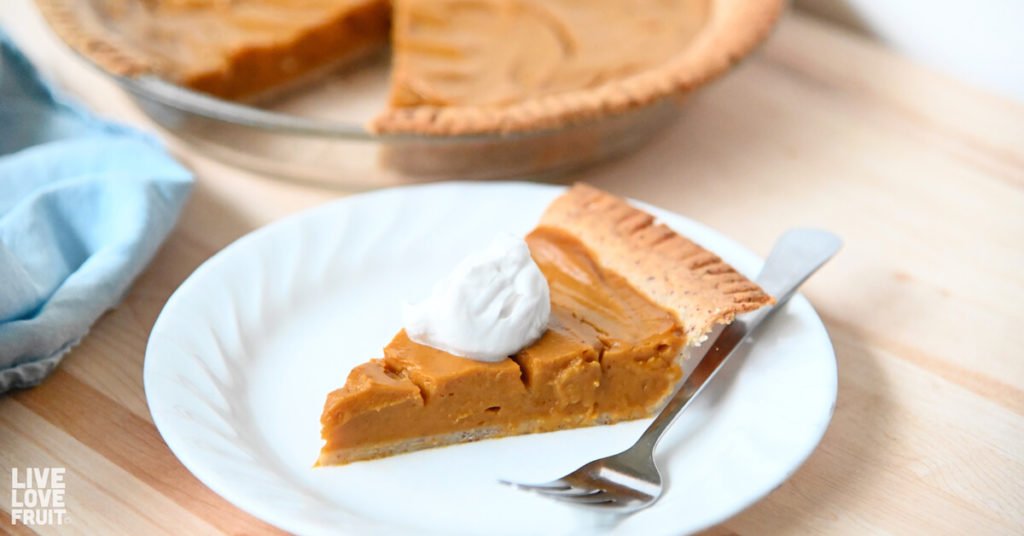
{"points": [[299, 138], [320, 132]]}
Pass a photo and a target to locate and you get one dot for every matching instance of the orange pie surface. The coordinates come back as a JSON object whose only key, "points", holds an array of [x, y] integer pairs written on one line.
{"points": [[241, 48], [613, 350]]}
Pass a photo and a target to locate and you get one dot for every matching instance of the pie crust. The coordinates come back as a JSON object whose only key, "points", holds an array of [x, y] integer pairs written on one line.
{"points": [[668, 268]]}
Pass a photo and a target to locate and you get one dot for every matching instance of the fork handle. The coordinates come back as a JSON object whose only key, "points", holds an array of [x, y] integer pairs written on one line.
{"points": [[796, 256]]}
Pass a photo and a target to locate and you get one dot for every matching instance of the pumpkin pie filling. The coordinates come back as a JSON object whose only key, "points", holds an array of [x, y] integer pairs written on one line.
{"points": [[609, 354], [498, 52]]}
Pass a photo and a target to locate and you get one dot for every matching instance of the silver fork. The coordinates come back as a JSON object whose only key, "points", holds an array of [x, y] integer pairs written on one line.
{"points": [[630, 481]]}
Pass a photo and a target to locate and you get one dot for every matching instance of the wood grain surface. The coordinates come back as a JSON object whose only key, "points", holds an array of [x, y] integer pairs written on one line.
{"points": [[922, 176]]}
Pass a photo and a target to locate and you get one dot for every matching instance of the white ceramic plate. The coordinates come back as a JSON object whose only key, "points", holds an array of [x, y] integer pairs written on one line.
{"points": [[242, 356]]}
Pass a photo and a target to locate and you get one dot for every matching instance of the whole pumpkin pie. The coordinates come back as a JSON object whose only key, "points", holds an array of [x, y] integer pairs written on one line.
{"points": [[459, 66], [630, 302]]}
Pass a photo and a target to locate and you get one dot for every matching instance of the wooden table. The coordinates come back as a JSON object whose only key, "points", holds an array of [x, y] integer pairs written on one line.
{"points": [[922, 176]]}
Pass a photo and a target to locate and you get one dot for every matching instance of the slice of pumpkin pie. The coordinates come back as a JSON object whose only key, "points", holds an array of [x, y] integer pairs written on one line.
{"points": [[627, 300]]}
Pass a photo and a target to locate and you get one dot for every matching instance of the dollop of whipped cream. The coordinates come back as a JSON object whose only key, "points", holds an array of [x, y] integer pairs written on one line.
{"points": [[495, 303]]}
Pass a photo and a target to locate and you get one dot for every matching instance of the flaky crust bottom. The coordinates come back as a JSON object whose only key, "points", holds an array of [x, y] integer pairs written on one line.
{"points": [[383, 450]]}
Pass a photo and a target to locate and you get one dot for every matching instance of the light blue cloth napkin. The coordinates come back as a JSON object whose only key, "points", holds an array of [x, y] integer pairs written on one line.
{"points": [[84, 205]]}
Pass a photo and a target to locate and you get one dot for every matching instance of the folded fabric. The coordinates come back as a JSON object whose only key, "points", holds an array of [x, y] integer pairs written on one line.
{"points": [[84, 205]]}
